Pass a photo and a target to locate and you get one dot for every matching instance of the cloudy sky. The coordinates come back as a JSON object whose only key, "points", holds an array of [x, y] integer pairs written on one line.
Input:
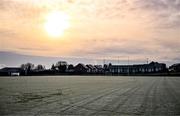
{"points": [[99, 29]]}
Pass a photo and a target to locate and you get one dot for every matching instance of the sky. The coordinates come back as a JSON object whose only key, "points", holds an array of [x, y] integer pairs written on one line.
{"points": [[99, 29]]}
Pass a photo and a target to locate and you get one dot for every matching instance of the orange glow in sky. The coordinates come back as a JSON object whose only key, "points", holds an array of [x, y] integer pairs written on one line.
{"points": [[97, 28]]}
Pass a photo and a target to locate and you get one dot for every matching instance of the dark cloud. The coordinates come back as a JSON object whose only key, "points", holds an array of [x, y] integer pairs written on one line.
{"points": [[163, 13], [154, 5], [171, 45], [158, 5], [119, 50], [176, 59], [113, 47], [16, 59]]}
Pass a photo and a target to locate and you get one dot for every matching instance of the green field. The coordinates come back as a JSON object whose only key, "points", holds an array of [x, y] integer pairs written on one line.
{"points": [[86, 95]]}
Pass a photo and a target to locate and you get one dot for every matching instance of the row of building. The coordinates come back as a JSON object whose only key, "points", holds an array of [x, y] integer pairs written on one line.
{"points": [[153, 67], [63, 68]]}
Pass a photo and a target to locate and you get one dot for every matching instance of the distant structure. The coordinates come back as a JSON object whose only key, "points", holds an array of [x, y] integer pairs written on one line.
{"points": [[91, 68], [80, 69], [63, 68], [175, 68], [153, 67], [10, 71], [99, 69]]}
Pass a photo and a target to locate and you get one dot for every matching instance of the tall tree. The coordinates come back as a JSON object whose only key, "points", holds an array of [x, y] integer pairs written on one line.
{"points": [[53, 67], [62, 66], [27, 68], [40, 67]]}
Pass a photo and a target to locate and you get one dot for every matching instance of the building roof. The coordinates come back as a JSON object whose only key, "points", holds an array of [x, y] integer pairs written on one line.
{"points": [[98, 66], [139, 65], [90, 66], [6, 69], [82, 65], [178, 64]]}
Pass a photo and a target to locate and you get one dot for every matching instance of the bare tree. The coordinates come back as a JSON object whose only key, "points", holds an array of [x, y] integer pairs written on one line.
{"points": [[40, 67], [27, 67]]}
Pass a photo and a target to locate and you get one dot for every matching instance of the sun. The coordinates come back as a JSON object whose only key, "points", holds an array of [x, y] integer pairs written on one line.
{"points": [[56, 23]]}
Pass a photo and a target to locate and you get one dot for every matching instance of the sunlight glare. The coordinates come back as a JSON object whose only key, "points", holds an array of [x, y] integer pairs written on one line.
{"points": [[56, 23]]}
